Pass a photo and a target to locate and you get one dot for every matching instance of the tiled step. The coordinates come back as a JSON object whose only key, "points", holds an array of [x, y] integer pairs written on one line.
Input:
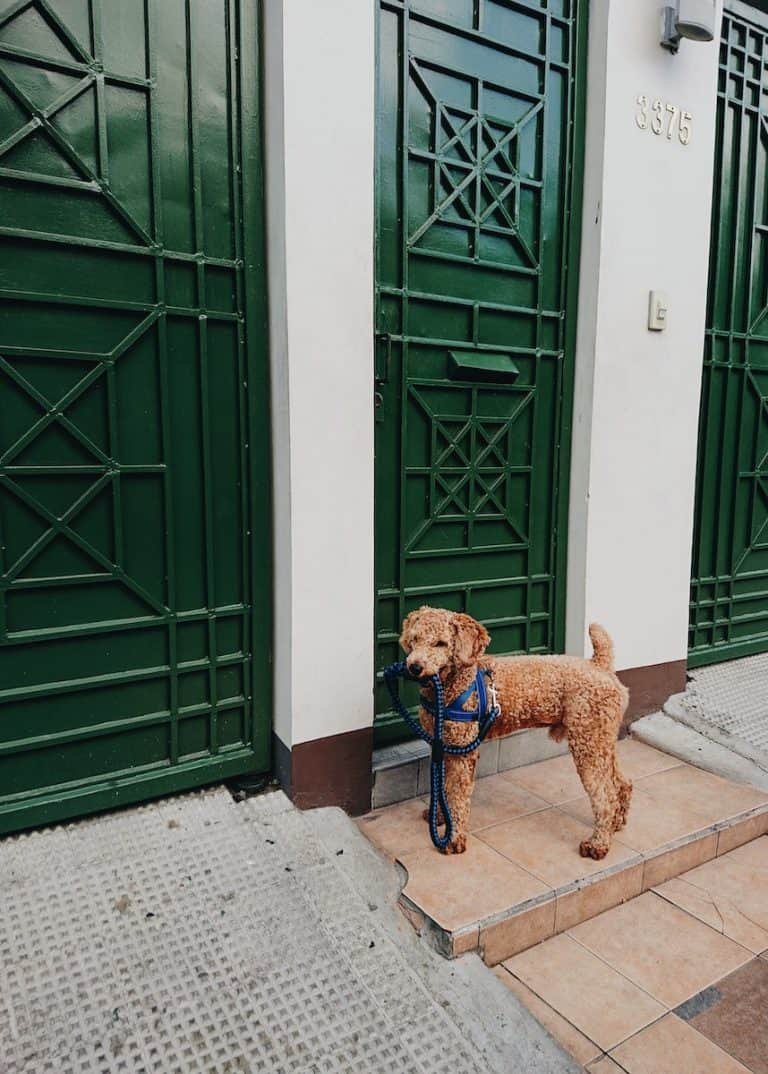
{"points": [[673, 980], [522, 879]]}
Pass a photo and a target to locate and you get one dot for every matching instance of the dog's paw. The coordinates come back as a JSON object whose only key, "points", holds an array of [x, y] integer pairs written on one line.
{"points": [[440, 817], [457, 845], [588, 849]]}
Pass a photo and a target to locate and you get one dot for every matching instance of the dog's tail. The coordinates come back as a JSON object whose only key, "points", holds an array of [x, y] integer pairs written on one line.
{"points": [[602, 645]]}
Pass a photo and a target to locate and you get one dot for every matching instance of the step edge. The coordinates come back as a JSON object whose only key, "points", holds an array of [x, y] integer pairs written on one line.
{"points": [[455, 942]]}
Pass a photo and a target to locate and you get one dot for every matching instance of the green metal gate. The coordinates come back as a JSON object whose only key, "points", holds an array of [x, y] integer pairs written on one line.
{"points": [[134, 503], [479, 142], [729, 588]]}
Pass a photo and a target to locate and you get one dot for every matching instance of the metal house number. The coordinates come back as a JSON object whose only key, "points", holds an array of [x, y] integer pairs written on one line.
{"points": [[663, 118]]}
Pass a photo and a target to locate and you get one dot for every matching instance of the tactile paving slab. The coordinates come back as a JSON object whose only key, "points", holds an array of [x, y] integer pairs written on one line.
{"points": [[733, 698], [199, 936]]}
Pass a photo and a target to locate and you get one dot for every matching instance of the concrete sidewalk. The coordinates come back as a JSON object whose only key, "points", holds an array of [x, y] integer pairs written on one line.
{"points": [[201, 935], [728, 704]]}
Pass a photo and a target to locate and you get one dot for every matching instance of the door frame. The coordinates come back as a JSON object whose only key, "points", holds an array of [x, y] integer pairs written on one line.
{"points": [[394, 730], [257, 351]]}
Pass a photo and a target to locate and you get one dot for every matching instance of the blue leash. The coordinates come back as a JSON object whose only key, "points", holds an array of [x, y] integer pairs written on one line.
{"points": [[437, 796]]}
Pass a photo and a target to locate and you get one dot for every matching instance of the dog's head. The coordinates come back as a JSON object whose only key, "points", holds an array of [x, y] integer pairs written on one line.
{"points": [[437, 642]]}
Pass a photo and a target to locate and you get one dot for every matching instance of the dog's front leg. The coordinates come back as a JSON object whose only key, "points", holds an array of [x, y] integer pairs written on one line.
{"points": [[459, 782]]}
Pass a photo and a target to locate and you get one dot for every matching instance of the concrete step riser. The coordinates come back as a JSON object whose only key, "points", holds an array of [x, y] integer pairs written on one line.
{"points": [[401, 772]]}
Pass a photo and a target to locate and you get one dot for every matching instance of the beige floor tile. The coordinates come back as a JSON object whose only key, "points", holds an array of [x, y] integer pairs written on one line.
{"points": [[575, 1043], [670, 1046], [547, 845], [652, 822], [465, 941], [495, 799], [729, 893], [669, 863], [397, 829], [518, 932], [708, 795], [604, 1066], [598, 895], [742, 831], [638, 760], [459, 889], [598, 1001], [716, 911], [659, 947], [555, 780]]}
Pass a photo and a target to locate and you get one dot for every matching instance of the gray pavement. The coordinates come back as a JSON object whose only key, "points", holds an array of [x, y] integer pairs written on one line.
{"points": [[197, 934], [728, 704]]}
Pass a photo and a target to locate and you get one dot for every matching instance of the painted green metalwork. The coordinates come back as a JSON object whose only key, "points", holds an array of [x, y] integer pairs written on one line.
{"points": [[729, 587], [478, 199], [134, 499]]}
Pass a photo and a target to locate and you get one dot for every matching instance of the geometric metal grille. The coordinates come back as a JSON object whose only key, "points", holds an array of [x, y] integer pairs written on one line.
{"points": [[478, 157], [476, 176], [471, 485], [129, 385], [729, 587]]}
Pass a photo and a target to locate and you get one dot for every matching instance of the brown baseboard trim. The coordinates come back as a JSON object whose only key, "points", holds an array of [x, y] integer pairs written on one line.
{"points": [[651, 686], [333, 771]]}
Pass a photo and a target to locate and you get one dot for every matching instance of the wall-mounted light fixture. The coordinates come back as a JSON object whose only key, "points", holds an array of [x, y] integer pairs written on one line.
{"points": [[694, 19]]}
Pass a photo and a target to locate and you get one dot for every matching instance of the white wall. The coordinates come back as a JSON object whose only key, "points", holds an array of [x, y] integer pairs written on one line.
{"points": [[645, 226], [319, 104]]}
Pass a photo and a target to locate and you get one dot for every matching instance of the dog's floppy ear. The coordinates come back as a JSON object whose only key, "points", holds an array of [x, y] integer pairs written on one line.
{"points": [[471, 638]]}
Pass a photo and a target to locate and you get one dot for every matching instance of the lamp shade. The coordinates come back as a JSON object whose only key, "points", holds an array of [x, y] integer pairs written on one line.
{"points": [[696, 19]]}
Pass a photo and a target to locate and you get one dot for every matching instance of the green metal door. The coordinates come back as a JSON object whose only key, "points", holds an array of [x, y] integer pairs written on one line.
{"points": [[134, 514], [729, 587], [479, 130]]}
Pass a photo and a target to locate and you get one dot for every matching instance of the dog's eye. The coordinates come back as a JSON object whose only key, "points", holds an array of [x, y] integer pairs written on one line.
{"points": [[442, 645]]}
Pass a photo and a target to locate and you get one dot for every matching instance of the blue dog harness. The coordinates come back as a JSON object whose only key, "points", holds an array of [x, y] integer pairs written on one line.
{"points": [[456, 710], [485, 714]]}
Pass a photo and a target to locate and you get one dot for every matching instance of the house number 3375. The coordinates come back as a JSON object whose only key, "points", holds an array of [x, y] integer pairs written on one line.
{"points": [[663, 118]]}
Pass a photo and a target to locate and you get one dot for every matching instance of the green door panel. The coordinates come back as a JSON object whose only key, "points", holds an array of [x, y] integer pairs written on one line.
{"points": [[478, 202], [729, 586], [134, 503]]}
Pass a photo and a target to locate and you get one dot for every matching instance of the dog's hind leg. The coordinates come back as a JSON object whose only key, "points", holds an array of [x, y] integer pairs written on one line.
{"points": [[622, 784], [592, 740], [623, 794]]}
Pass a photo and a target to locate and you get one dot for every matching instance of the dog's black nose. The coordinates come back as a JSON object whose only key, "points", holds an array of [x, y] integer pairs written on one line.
{"points": [[415, 670]]}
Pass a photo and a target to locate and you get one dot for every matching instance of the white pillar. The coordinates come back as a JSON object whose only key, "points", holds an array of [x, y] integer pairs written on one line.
{"points": [[319, 129], [646, 224]]}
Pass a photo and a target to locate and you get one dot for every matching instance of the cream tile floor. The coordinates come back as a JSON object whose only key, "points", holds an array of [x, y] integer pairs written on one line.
{"points": [[667, 983], [525, 828]]}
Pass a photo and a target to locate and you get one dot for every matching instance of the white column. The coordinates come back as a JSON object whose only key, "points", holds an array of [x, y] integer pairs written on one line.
{"points": [[646, 224], [319, 106]]}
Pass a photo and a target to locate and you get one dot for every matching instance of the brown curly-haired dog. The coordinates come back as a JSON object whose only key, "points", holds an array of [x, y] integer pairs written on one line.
{"points": [[582, 699]]}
